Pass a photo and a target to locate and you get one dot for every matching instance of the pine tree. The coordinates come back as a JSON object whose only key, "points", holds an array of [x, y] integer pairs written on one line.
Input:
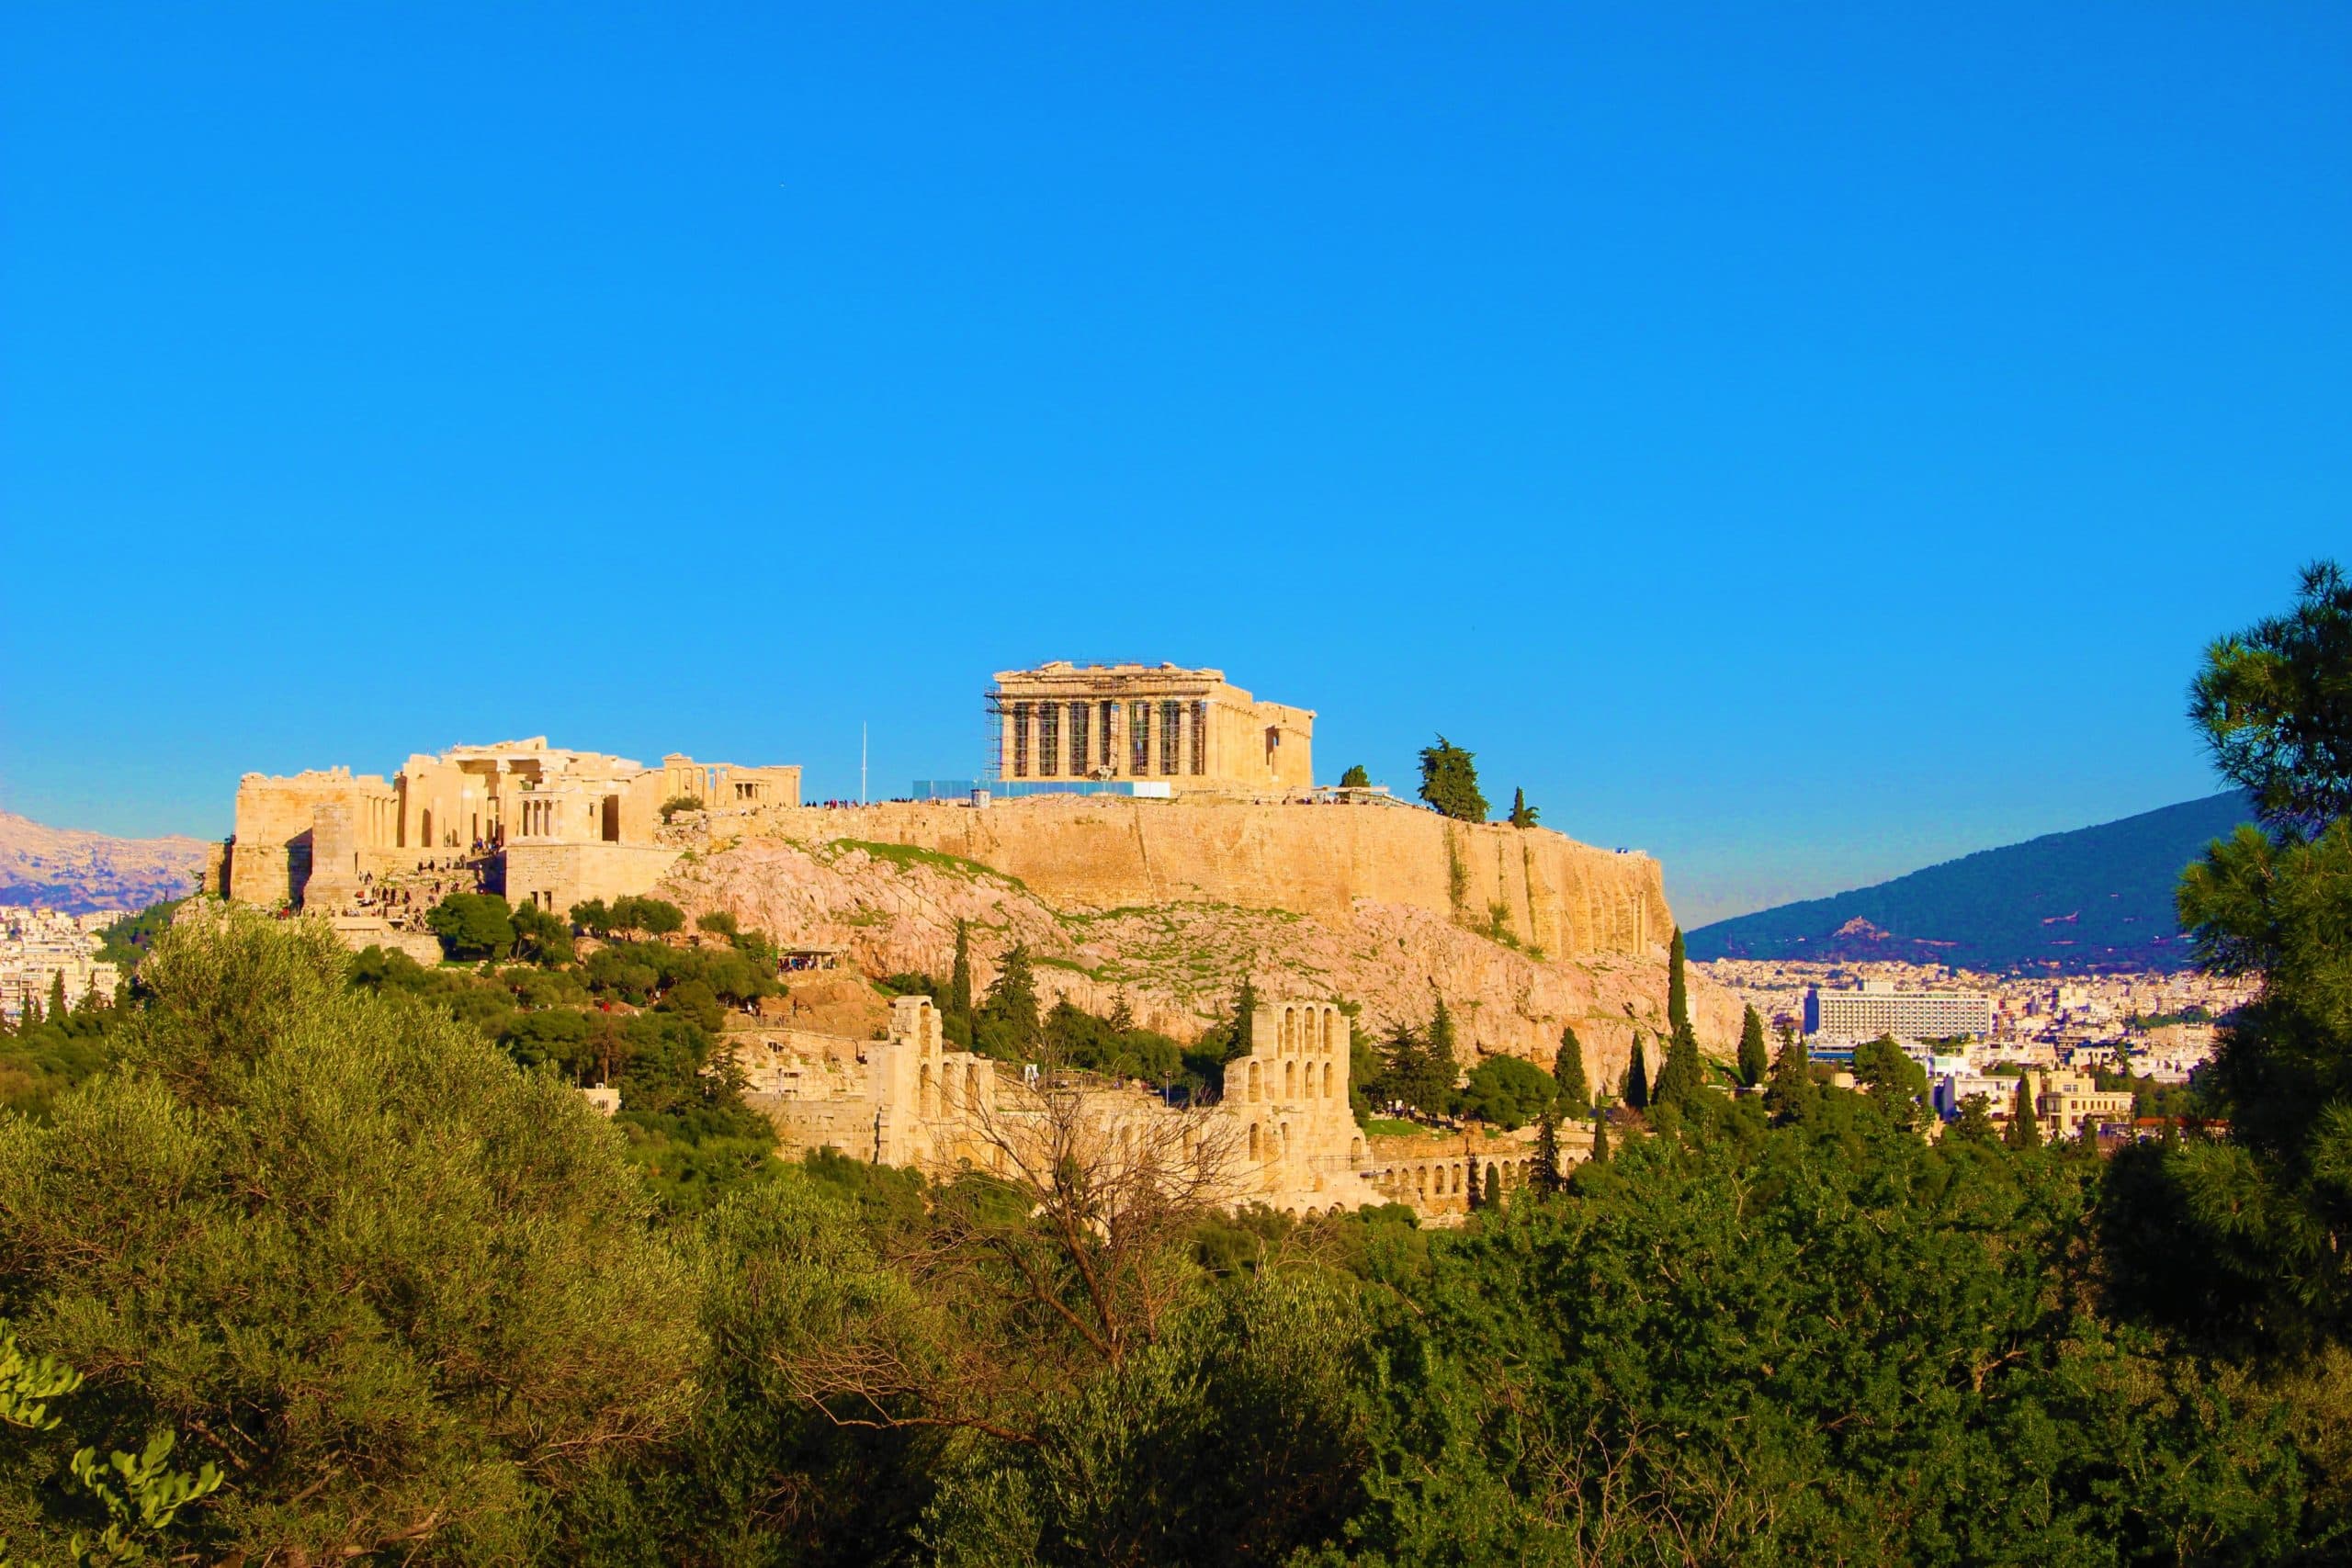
{"points": [[1543, 1174], [959, 982], [1568, 1071], [1788, 1094], [1012, 999], [1494, 1186], [1449, 781], [1975, 1123], [1123, 1016], [1522, 814], [1637, 1078], [1408, 1075], [2025, 1126], [1753, 1062]]}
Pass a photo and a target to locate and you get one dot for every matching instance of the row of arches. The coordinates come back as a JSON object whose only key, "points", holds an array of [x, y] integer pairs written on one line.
{"points": [[1309, 1031], [1320, 1081], [934, 1089], [1443, 1180]]}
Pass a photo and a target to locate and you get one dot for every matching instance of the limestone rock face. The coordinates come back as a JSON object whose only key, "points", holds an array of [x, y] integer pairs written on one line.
{"points": [[1178, 961], [1541, 890]]}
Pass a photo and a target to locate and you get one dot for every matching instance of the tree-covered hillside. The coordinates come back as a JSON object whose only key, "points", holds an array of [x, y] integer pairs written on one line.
{"points": [[2094, 898]]}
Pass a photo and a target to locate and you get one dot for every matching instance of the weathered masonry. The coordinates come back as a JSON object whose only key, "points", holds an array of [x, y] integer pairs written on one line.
{"points": [[561, 825], [1187, 729]]}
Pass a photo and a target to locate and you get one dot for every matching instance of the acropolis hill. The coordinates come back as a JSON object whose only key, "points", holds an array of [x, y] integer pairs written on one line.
{"points": [[1201, 853]]}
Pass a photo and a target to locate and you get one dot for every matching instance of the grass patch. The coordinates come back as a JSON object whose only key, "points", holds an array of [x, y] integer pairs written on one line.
{"points": [[1395, 1127], [905, 855], [1045, 962]]}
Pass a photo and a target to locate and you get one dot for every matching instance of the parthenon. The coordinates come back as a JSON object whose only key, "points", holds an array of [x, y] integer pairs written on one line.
{"points": [[1171, 730]]}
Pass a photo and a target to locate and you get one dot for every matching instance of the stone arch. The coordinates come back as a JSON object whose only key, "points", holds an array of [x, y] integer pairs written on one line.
{"points": [[1290, 1031], [929, 1093], [1290, 1080], [1330, 1031], [1355, 1150], [1326, 1080], [1255, 1087], [1253, 1141]]}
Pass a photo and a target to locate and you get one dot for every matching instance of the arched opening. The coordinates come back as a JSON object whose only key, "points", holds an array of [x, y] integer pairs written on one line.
{"points": [[1253, 1141], [1254, 1092], [1290, 1080], [930, 1103], [1327, 1031], [1326, 1080], [1355, 1151], [1290, 1031], [971, 1086]]}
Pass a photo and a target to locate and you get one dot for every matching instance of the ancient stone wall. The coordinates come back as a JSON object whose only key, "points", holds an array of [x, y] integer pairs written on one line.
{"points": [[556, 876], [1532, 887]]}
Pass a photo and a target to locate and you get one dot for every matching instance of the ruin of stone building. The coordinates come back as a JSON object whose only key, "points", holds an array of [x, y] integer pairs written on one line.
{"points": [[544, 825], [1157, 725]]}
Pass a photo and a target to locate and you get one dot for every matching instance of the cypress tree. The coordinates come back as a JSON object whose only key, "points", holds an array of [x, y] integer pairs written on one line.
{"points": [[1601, 1137], [1637, 1078], [1544, 1175], [1568, 1071], [1753, 1062], [1677, 990], [1244, 1038], [1522, 814], [57, 1007], [959, 982], [1788, 1092], [2025, 1126], [1494, 1186], [1682, 1076], [1474, 1195]]}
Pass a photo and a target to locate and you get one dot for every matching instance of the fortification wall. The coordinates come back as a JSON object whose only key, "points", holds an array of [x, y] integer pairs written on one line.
{"points": [[1549, 891]]}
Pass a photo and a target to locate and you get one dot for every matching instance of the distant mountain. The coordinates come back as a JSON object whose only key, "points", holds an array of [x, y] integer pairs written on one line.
{"points": [[64, 868], [2095, 899]]}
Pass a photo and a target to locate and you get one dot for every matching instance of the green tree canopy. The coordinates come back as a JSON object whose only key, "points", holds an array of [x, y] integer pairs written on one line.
{"points": [[1568, 1072], [1449, 781], [1754, 1061], [1636, 1086], [401, 1290], [1508, 1092], [1522, 814], [473, 925], [1355, 778], [2274, 704]]}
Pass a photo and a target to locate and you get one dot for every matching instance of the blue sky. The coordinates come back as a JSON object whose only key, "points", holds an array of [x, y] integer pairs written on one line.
{"points": [[1803, 442]]}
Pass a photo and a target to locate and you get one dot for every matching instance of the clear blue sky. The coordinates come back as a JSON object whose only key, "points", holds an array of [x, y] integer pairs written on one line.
{"points": [[1803, 442]]}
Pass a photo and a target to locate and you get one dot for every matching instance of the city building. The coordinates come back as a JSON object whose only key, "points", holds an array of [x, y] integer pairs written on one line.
{"points": [[1877, 1008]]}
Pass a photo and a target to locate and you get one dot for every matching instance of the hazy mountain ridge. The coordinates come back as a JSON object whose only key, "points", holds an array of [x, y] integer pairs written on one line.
{"points": [[2098, 897], [67, 868]]}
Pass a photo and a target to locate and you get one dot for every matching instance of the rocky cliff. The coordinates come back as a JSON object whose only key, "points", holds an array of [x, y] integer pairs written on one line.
{"points": [[1178, 957], [65, 868], [1532, 887]]}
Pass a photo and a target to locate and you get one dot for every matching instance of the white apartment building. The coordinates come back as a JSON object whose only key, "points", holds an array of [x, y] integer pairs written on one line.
{"points": [[1877, 1008]]}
